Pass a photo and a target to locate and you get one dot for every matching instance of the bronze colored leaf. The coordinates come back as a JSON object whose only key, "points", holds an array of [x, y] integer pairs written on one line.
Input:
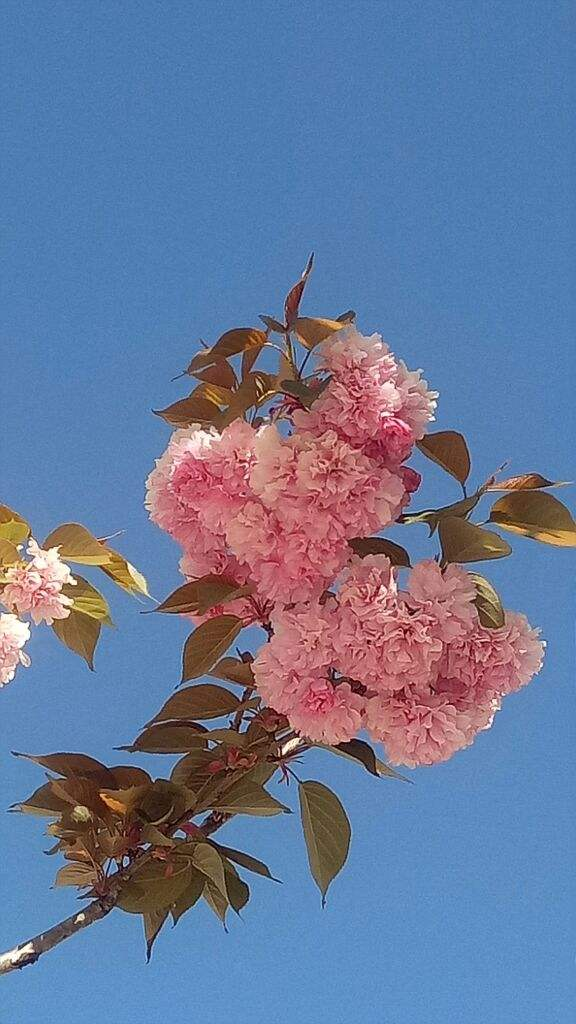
{"points": [[193, 769], [208, 643], [245, 860], [488, 603], [448, 449], [13, 527], [216, 901], [272, 324], [464, 542], [361, 752], [432, 516], [190, 896], [326, 831], [231, 343], [72, 765], [88, 600], [294, 297], [298, 389], [154, 886], [127, 775], [348, 317], [9, 553], [77, 544], [249, 358], [235, 671], [311, 331], [81, 875], [203, 700], [196, 408], [166, 800], [526, 482], [153, 921], [168, 738], [44, 802], [363, 546], [537, 515], [124, 575], [124, 800], [220, 373], [245, 797], [80, 634], [199, 596]]}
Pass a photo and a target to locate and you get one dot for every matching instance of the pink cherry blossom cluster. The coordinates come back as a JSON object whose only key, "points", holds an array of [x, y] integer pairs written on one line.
{"points": [[34, 588], [280, 510], [414, 667], [349, 650]]}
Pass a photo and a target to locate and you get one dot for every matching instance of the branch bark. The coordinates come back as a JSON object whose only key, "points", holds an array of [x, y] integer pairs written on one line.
{"points": [[30, 951]]}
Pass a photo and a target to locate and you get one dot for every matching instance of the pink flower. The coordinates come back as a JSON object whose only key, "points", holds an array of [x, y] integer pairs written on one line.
{"points": [[381, 641], [326, 713], [393, 443], [495, 661], [424, 729], [200, 481], [305, 476], [35, 587], [446, 595], [13, 636]]}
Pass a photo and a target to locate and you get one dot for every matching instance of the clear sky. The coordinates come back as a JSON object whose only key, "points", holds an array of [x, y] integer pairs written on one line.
{"points": [[167, 167]]}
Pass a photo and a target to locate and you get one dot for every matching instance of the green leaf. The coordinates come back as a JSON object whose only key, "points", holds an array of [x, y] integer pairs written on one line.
{"points": [[88, 600], [326, 831], [526, 482], [245, 860], [13, 527], [488, 603], [208, 643], [361, 752], [82, 875], [124, 575], [464, 542], [154, 886], [9, 553], [79, 633], [153, 921], [449, 450], [216, 901], [311, 331], [77, 544], [168, 738], [236, 889], [193, 769], [432, 516], [245, 797], [363, 546], [208, 861], [537, 515], [204, 700], [190, 896]]}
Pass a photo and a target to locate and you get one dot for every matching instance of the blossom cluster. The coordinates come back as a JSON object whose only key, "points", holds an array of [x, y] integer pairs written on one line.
{"points": [[34, 588], [414, 667], [281, 510], [349, 649]]}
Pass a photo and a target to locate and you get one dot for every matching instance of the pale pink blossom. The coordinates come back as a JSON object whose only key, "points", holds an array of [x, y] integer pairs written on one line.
{"points": [[495, 661], [13, 636], [446, 595], [423, 729], [305, 477], [199, 483], [35, 587], [327, 713]]}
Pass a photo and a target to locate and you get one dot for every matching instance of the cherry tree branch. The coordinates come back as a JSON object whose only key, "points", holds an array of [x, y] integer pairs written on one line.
{"points": [[30, 951]]}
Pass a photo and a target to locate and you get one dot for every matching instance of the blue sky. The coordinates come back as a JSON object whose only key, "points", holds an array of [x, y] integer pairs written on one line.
{"points": [[167, 168]]}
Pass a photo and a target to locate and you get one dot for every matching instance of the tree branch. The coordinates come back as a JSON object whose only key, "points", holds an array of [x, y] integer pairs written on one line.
{"points": [[29, 952]]}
